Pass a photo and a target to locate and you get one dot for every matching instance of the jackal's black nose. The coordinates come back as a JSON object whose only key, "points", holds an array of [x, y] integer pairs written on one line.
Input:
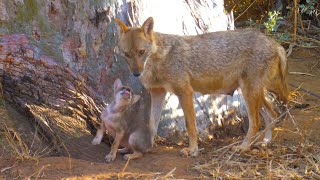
{"points": [[136, 74]]}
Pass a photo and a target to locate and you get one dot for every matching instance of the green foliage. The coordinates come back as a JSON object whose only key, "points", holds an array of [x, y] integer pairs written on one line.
{"points": [[2, 103], [309, 8], [308, 44], [284, 36], [251, 23], [271, 24]]}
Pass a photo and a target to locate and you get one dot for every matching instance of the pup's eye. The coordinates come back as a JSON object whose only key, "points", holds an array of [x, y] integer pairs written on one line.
{"points": [[126, 89], [127, 55], [141, 52]]}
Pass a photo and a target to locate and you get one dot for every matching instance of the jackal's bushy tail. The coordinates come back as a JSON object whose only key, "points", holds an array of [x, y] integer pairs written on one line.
{"points": [[283, 72]]}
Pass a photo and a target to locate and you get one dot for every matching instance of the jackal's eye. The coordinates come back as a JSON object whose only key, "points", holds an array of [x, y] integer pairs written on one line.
{"points": [[127, 55], [141, 52]]}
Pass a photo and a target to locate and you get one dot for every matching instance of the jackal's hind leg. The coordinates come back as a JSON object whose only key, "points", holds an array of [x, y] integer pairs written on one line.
{"points": [[253, 98], [269, 116]]}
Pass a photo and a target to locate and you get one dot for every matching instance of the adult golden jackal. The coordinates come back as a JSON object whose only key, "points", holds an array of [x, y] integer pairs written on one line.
{"points": [[211, 63]]}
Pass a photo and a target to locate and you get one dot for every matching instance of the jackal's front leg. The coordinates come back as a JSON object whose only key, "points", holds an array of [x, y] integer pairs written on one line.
{"points": [[157, 100], [186, 102]]}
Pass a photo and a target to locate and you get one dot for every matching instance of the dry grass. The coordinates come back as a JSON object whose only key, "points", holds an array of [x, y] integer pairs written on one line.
{"points": [[12, 142], [16, 145], [279, 161], [298, 160], [295, 96]]}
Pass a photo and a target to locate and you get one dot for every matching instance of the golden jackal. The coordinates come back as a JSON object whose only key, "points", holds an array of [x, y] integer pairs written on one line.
{"points": [[211, 63]]}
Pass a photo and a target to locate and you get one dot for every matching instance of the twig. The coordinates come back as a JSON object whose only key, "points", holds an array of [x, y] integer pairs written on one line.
{"points": [[304, 90], [170, 173], [309, 39], [42, 170], [244, 164], [301, 24], [246, 9], [309, 23], [311, 69], [299, 45], [124, 168], [34, 136], [7, 168], [228, 146], [38, 172], [223, 153], [301, 73], [286, 130], [231, 155], [270, 125], [286, 155], [315, 175], [310, 108], [295, 21], [294, 122]]}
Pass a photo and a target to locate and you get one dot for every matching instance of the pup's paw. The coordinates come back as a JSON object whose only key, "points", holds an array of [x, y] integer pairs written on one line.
{"points": [[110, 158], [127, 157], [134, 155], [189, 152], [96, 141], [124, 151]]}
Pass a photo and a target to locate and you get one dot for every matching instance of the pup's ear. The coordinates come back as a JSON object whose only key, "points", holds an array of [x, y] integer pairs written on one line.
{"points": [[147, 26], [117, 84], [135, 98], [123, 27]]}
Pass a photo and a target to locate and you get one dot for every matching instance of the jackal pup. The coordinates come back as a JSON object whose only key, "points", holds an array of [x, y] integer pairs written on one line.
{"points": [[210, 63], [129, 132]]}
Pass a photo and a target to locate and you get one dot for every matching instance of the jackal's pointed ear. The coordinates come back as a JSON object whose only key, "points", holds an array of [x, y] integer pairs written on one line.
{"points": [[147, 26], [117, 83], [123, 27], [135, 98]]}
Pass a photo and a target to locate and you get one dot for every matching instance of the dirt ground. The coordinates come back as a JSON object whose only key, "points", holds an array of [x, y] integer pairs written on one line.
{"points": [[87, 161]]}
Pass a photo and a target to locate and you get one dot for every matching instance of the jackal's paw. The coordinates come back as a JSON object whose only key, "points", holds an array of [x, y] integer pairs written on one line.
{"points": [[244, 146], [96, 141], [110, 158], [264, 143], [189, 152]]}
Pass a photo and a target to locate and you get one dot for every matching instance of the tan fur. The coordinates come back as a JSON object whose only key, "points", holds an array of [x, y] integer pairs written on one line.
{"points": [[130, 132], [212, 63]]}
